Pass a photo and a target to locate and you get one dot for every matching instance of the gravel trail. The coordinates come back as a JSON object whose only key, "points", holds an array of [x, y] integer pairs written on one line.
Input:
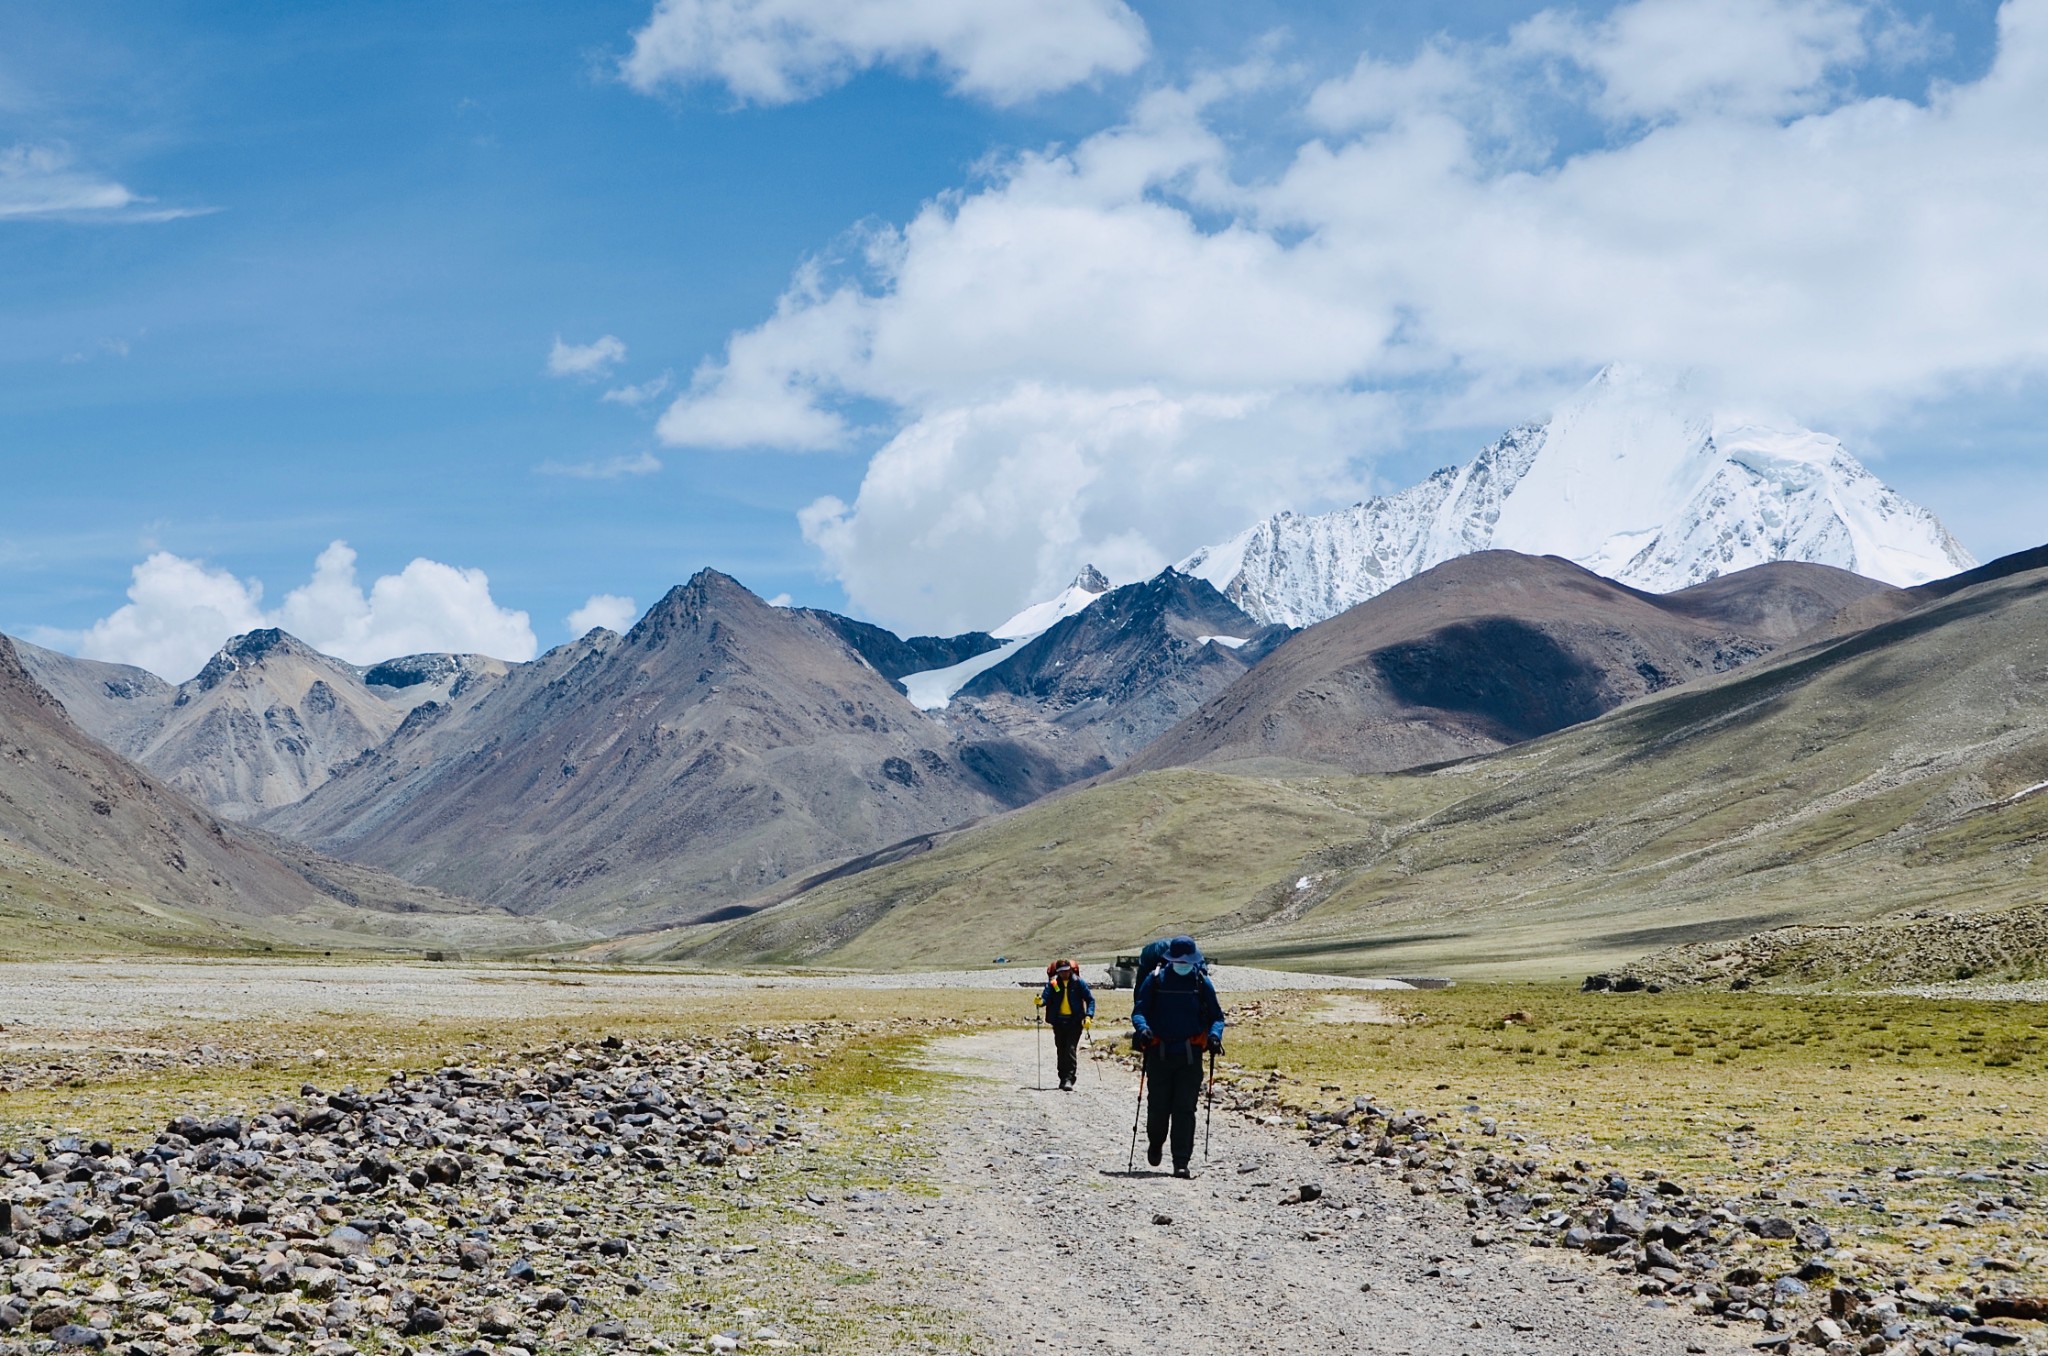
{"points": [[1050, 1244]]}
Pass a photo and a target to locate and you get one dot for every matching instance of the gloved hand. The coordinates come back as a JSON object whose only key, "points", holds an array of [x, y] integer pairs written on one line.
{"points": [[1087, 1023]]}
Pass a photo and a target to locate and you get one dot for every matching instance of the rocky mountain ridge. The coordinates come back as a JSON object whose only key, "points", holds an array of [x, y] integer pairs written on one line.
{"points": [[716, 747], [266, 720]]}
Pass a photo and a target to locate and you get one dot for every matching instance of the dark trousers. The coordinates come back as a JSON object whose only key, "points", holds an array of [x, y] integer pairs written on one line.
{"points": [[1173, 1078], [1066, 1047]]}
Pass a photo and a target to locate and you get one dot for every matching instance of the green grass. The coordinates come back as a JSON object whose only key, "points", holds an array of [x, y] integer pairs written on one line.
{"points": [[1729, 1093]]}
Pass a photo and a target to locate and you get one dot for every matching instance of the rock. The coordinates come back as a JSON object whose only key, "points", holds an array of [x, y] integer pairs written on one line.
{"points": [[498, 1320], [1308, 1191], [2031, 1308], [1824, 1331], [1775, 1226], [442, 1170], [424, 1322], [1600, 1245], [522, 1272], [347, 1241], [1162, 1218], [1992, 1337], [77, 1336], [1813, 1237], [1656, 1255], [473, 1254], [610, 1330], [1628, 1220], [1577, 1238]]}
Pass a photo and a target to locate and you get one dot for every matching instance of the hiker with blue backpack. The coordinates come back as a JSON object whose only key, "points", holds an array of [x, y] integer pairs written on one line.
{"points": [[1177, 1021]]}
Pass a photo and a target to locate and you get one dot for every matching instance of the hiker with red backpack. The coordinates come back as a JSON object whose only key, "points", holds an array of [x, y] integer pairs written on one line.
{"points": [[1069, 1007], [1177, 1020]]}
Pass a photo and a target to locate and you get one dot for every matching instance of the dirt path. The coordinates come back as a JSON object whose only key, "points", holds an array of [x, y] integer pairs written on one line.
{"points": [[1040, 1236]]}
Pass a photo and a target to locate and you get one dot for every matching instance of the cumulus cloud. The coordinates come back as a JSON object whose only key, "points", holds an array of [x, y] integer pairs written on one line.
{"points": [[610, 610], [179, 612], [590, 361], [1746, 58], [781, 51], [1087, 320], [974, 511], [424, 607], [43, 182]]}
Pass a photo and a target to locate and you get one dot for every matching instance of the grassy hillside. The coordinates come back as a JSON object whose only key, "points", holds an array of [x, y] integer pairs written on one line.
{"points": [[1876, 774]]}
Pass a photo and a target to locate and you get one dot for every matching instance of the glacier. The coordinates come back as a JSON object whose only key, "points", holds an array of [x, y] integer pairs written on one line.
{"points": [[934, 689], [1625, 479]]}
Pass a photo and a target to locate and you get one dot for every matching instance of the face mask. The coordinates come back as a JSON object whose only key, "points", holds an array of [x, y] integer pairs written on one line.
{"points": [[1183, 967]]}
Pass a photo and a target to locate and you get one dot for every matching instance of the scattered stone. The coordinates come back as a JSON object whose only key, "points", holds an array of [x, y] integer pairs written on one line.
{"points": [[350, 1219]]}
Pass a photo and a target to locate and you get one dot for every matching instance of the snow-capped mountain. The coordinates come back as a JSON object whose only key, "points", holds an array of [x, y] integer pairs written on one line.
{"points": [[934, 688], [1625, 480]]}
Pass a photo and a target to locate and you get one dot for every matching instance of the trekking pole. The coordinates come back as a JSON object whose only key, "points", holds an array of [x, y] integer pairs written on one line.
{"points": [[1139, 1110], [1041, 1055], [1209, 1114]]}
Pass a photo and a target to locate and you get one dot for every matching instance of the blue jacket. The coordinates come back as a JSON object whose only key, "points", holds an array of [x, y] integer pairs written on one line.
{"points": [[1176, 1008], [1081, 1000]]}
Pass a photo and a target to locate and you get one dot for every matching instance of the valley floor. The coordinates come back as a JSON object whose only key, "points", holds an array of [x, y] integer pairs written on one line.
{"points": [[924, 1189], [1039, 1239]]}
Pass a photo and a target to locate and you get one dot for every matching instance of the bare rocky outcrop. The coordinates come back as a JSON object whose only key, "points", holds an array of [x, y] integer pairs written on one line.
{"points": [[268, 719]]}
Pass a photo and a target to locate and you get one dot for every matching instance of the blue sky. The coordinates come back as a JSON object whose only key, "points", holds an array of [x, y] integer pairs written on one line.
{"points": [[277, 276]]}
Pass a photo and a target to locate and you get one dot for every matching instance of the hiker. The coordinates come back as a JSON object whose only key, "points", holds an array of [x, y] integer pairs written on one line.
{"points": [[1177, 1020], [1069, 1006]]}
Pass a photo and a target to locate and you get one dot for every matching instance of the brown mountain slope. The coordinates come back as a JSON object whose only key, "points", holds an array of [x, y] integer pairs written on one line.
{"points": [[72, 811], [1489, 650], [717, 747], [1892, 784], [1105, 682], [266, 721]]}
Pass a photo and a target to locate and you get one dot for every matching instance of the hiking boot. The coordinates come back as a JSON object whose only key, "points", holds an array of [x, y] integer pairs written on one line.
{"points": [[1181, 1170], [1152, 1152]]}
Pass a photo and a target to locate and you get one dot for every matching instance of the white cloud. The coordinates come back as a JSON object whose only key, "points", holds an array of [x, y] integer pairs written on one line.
{"points": [[609, 610], [589, 361], [1750, 220], [612, 468], [974, 511], [179, 612], [637, 395], [40, 182], [424, 607], [782, 600], [1746, 58], [781, 51]]}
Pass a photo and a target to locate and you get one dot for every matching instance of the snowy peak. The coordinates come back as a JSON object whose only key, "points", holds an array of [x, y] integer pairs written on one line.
{"points": [[1632, 478], [1038, 618]]}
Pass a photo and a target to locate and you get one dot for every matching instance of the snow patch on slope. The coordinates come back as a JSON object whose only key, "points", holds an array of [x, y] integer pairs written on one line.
{"points": [[932, 689]]}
